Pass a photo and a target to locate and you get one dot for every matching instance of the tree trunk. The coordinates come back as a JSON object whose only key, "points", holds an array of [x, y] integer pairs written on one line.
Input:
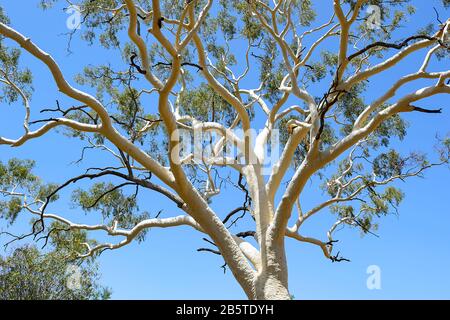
{"points": [[269, 287], [272, 282]]}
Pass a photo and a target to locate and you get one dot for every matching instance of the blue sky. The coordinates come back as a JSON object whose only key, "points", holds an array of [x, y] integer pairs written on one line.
{"points": [[413, 250]]}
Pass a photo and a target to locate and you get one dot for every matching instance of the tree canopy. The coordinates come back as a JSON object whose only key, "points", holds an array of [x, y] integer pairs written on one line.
{"points": [[32, 274], [225, 69]]}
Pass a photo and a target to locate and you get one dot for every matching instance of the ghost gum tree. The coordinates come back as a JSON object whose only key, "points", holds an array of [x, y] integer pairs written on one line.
{"points": [[215, 67]]}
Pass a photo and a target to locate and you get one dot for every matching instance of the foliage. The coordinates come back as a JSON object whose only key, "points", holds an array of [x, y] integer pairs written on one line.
{"points": [[30, 274], [185, 65]]}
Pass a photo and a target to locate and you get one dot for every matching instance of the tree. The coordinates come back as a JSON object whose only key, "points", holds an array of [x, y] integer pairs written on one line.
{"points": [[178, 74], [28, 274]]}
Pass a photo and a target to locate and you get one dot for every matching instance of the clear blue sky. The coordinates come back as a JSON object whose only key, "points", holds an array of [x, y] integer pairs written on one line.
{"points": [[413, 250]]}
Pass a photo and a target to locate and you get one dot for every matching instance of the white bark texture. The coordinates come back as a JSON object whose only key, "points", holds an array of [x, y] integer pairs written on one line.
{"points": [[260, 270]]}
